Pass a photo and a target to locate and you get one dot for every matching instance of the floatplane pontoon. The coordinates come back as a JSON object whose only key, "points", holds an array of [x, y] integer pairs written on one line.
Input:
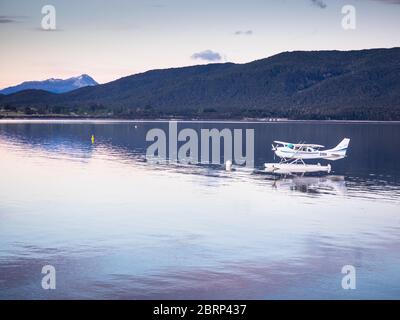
{"points": [[293, 155]]}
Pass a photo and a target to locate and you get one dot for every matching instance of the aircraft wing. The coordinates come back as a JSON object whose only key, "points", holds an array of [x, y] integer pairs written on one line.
{"points": [[300, 144], [282, 143]]}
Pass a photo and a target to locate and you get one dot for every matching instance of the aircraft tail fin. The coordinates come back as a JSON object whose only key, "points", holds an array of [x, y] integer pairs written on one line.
{"points": [[339, 152], [342, 146]]}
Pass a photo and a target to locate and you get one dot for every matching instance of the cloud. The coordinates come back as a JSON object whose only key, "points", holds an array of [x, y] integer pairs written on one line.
{"points": [[247, 32], [207, 55], [11, 19], [322, 4], [319, 3], [4, 20], [8, 19], [390, 1]]}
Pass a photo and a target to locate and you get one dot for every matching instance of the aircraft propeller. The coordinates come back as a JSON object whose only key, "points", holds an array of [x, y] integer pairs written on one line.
{"points": [[274, 149]]}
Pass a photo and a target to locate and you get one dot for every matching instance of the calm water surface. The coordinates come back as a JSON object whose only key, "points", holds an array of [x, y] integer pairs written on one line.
{"points": [[115, 226]]}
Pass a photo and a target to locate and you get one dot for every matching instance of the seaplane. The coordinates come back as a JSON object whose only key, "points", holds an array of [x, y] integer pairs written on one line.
{"points": [[293, 155]]}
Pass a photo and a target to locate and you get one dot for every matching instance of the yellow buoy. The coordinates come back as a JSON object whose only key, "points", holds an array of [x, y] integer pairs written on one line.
{"points": [[92, 138]]}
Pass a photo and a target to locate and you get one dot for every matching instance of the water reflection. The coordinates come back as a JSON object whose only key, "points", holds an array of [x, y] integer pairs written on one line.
{"points": [[313, 185], [80, 148]]}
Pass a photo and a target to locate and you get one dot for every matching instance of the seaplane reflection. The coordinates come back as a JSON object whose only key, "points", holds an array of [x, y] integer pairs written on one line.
{"points": [[313, 185]]}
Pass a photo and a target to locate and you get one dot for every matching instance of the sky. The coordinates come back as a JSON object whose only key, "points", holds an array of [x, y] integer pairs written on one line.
{"points": [[111, 39]]}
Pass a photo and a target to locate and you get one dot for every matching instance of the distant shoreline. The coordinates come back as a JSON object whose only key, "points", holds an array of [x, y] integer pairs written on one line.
{"points": [[65, 118]]}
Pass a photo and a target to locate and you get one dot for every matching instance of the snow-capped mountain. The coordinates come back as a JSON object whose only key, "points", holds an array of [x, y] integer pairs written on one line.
{"points": [[53, 85]]}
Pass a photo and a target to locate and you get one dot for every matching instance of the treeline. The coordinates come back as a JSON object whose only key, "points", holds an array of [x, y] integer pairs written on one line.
{"points": [[384, 114]]}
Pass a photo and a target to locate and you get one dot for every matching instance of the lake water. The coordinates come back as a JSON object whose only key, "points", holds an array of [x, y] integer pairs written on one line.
{"points": [[115, 226]]}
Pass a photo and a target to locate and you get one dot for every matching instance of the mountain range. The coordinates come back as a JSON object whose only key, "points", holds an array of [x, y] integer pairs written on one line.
{"points": [[53, 85], [357, 85]]}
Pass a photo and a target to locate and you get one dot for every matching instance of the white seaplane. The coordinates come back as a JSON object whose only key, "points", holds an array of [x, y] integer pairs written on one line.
{"points": [[293, 155]]}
